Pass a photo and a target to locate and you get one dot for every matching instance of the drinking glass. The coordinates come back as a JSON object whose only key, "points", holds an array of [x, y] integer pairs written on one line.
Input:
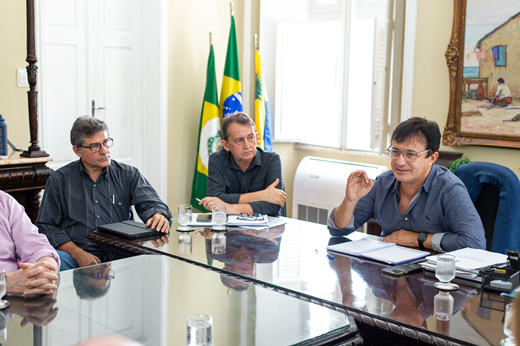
{"points": [[218, 212], [218, 243], [184, 217], [199, 330], [443, 306], [184, 242], [509, 324], [3, 303], [445, 272]]}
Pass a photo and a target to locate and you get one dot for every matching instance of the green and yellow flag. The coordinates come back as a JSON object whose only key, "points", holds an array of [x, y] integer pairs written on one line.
{"points": [[209, 134], [262, 116], [231, 91]]}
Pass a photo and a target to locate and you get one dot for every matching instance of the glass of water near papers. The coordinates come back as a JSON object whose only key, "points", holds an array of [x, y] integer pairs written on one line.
{"points": [[199, 331], [445, 272], [218, 212], [509, 325], [184, 217]]}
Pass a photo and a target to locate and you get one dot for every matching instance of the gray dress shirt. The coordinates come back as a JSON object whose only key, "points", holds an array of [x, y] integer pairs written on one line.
{"points": [[227, 181], [73, 205], [442, 206]]}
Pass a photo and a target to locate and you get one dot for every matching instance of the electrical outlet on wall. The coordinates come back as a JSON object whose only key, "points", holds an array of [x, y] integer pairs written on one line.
{"points": [[22, 77]]}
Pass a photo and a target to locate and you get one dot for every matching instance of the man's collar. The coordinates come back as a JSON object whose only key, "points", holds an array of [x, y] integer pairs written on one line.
{"points": [[82, 169], [257, 160], [427, 184]]}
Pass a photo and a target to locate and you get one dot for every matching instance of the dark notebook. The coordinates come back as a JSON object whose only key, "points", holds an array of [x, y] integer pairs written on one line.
{"points": [[128, 229]]}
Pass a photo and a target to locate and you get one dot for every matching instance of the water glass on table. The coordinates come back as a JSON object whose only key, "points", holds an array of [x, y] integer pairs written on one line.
{"points": [[184, 216], [445, 272], [509, 324], [218, 216], [199, 331]]}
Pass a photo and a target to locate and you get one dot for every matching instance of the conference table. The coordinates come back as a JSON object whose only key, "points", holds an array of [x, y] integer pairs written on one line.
{"points": [[292, 259], [148, 299]]}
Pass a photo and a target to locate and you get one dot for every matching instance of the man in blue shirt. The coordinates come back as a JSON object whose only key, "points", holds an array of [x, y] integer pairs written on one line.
{"points": [[417, 203]]}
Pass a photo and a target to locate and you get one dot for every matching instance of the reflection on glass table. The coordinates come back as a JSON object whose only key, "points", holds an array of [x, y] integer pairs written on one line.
{"points": [[148, 299], [184, 243], [294, 258], [443, 306]]}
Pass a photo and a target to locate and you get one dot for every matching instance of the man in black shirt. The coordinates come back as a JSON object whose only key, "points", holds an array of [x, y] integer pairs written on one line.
{"points": [[93, 191], [243, 177]]}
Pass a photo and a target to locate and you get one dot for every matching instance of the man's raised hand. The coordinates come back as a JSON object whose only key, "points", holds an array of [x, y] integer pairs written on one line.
{"points": [[358, 186]]}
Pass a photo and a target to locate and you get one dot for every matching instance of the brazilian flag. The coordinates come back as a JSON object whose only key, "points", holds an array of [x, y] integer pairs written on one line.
{"points": [[231, 91], [262, 117], [209, 134]]}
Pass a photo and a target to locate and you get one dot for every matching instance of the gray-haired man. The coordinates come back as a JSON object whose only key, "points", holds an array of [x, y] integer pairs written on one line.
{"points": [[93, 191], [243, 177]]}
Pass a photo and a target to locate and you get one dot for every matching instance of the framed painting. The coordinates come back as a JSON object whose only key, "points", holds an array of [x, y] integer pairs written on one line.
{"points": [[483, 58]]}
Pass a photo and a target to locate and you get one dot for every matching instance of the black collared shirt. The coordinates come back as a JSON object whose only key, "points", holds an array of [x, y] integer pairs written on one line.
{"points": [[73, 205], [227, 181]]}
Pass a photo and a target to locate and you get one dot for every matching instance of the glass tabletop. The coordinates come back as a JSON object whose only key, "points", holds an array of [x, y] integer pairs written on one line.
{"points": [[148, 298], [294, 257]]}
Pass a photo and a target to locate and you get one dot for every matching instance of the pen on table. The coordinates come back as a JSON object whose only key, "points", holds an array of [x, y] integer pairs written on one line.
{"points": [[328, 256]]}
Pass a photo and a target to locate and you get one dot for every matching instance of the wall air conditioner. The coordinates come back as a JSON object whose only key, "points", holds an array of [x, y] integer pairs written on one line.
{"points": [[319, 186]]}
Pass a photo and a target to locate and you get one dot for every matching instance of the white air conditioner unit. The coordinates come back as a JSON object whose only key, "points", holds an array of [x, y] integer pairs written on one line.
{"points": [[319, 186]]}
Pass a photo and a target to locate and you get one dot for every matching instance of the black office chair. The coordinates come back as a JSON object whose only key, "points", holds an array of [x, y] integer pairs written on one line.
{"points": [[495, 191]]}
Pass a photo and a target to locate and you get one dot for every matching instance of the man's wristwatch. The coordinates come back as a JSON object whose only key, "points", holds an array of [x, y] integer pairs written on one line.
{"points": [[421, 238]]}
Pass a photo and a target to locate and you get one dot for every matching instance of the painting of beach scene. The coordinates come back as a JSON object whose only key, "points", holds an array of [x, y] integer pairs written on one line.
{"points": [[490, 103]]}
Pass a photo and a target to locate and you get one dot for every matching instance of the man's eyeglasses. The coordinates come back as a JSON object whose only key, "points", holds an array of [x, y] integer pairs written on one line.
{"points": [[247, 217], [96, 147], [97, 274], [407, 155]]}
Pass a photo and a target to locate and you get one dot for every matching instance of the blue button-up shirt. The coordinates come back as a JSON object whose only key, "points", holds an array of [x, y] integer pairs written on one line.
{"points": [[73, 205], [442, 206]]}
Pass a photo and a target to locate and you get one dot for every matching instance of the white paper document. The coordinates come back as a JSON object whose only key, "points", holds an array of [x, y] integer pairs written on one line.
{"points": [[379, 251], [473, 259], [233, 221]]}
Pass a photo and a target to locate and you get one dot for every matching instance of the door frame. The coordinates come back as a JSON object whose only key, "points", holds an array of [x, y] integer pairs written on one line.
{"points": [[155, 92]]}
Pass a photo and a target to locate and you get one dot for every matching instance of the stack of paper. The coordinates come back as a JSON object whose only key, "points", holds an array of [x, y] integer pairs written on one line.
{"points": [[469, 262], [235, 221], [379, 251]]}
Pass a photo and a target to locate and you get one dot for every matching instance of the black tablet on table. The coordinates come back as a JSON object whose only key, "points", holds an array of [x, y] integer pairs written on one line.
{"points": [[128, 229]]}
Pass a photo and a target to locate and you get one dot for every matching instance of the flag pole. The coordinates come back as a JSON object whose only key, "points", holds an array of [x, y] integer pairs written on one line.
{"points": [[231, 5], [255, 36], [210, 40]]}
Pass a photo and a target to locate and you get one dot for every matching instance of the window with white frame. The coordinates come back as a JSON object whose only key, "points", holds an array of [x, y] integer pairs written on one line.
{"points": [[333, 75]]}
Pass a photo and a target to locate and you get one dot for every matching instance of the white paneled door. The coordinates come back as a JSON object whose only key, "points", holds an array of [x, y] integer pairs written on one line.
{"points": [[93, 63]]}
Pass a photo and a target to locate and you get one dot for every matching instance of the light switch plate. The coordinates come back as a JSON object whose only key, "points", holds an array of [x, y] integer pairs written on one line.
{"points": [[22, 78]]}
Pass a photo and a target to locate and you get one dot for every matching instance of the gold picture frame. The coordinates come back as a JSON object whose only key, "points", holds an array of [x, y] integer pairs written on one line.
{"points": [[480, 112]]}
